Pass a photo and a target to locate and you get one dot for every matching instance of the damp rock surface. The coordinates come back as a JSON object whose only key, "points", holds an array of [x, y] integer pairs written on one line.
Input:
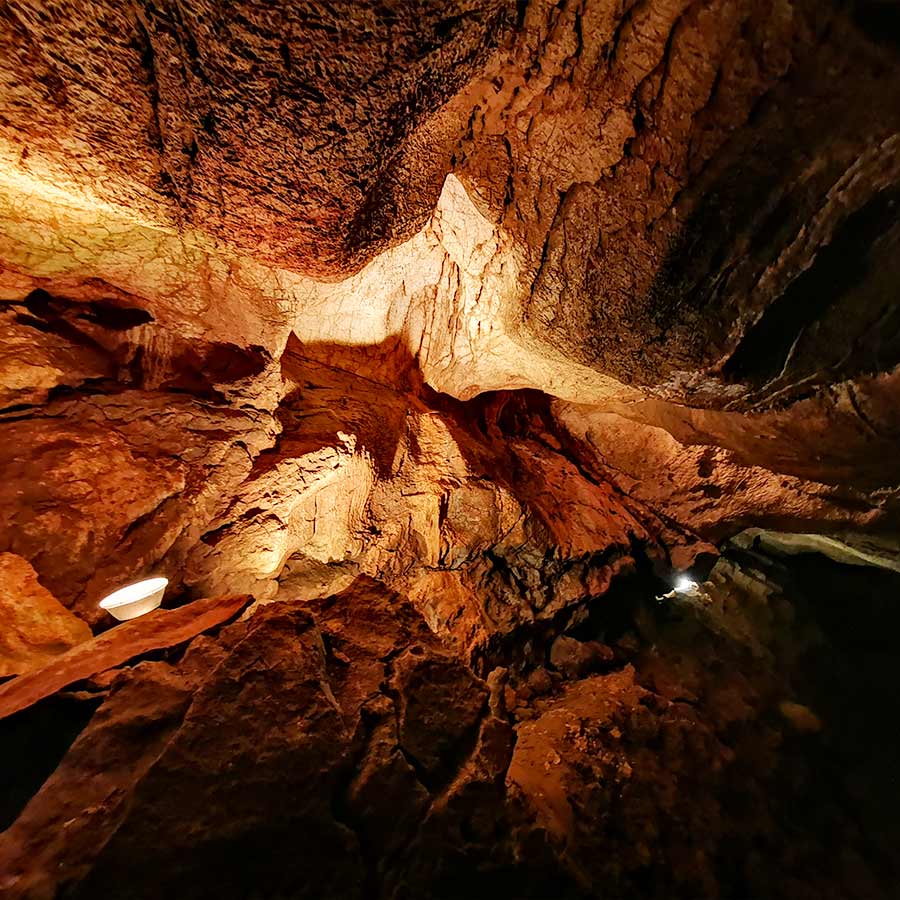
{"points": [[450, 335]]}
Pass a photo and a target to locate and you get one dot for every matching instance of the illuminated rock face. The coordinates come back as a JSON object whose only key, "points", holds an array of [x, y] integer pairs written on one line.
{"points": [[36, 626], [506, 306], [625, 209]]}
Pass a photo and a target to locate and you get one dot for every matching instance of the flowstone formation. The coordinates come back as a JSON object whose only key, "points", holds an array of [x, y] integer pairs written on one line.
{"points": [[423, 345]]}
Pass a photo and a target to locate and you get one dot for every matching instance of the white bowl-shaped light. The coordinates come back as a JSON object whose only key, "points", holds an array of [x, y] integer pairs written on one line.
{"points": [[135, 599]]}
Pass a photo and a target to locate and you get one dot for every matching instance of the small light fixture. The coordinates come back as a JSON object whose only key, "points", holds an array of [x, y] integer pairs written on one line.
{"points": [[135, 599], [684, 584]]}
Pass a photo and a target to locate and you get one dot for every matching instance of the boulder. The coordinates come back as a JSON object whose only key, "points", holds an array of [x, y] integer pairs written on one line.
{"points": [[275, 757], [34, 626]]}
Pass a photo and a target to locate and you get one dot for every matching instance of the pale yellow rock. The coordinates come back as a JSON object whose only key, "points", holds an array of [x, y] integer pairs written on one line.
{"points": [[801, 718], [34, 626]]}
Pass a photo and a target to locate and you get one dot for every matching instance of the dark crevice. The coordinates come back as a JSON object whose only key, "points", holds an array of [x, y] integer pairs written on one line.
{"points": [[32, 744], [837, 270]]}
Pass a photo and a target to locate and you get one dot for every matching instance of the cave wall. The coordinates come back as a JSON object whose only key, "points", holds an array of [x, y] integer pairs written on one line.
{"points": [[727, 741], [427, 341], [272, 284]]}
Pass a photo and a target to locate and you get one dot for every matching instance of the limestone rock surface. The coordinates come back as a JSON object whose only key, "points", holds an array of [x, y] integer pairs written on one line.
{"points": [[451, 332], [442, 293], [34, 626], [334, 748], [342, 725]]}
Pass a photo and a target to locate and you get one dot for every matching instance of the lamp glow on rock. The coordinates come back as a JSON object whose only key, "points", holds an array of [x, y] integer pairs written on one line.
{"points": [[135, 599], [684, 584]]}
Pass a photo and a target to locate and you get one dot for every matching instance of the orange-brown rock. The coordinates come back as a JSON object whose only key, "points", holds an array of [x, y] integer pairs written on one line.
{"points": [[340, 724], [156, 630], [34, 626], [663, 220], [99, 489], [517, 308], [340, 730]]}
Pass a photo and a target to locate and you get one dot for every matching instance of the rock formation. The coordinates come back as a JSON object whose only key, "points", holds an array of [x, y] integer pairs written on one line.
{"points": [[36, 627], [448, 333]]}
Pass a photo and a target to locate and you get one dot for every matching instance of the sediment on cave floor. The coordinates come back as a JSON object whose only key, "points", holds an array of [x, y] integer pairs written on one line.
{"points": [[449, 449]]}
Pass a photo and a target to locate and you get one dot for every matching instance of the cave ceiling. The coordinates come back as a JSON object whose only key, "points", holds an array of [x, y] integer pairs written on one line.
{"points": [[310, 290]]}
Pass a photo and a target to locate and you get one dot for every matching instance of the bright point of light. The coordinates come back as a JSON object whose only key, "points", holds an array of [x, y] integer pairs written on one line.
{"points": [[684, 584], [135, 599]]}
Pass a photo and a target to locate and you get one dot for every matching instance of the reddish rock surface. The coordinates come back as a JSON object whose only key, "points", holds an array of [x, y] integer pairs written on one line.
{"points": [[157, 630], [518, 309], [342, 724], [34, 626], [333, 748], [647, 249]]}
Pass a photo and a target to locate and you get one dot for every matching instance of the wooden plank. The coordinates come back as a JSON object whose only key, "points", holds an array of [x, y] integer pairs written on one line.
{"points": [[155, 631]]}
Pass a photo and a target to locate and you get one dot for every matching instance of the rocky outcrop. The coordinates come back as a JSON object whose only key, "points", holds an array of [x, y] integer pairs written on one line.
{"points": [[489, 515], [100, 488], [844, 547], [34, 626], [566, 286], [156, 630], [334, 748], [601, 201], [342, 725], [698, 768], [517, 309]]}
